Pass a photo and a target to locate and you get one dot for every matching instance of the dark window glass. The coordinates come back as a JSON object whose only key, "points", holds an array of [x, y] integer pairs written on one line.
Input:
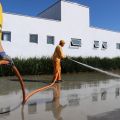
{"points": [[50, 40], [34, 38], [6, 36]]}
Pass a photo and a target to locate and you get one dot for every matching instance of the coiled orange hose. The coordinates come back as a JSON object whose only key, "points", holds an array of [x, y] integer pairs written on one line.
{"points": [[17, 73]]}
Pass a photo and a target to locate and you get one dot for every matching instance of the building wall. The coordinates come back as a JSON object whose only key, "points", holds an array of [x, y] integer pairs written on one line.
{"points": [[102, 35], [74, 24], [75, 19], [21, 27]]}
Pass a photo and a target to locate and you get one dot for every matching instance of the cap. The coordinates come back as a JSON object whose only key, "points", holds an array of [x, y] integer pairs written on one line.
{"points": [[62, 42]]}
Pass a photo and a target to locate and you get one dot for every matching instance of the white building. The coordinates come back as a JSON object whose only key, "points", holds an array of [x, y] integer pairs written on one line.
{"points": [[25, 36]]}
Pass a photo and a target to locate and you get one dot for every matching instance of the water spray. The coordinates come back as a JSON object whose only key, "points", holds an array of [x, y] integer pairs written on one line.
{"points": [[96, 69]]}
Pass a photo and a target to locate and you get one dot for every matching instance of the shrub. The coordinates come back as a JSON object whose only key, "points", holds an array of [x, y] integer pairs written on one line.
{"points": [[44, 65]]}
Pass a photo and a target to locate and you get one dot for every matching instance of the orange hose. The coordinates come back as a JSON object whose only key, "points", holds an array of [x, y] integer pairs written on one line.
{"points": [[5, 62], [25, 97], [39, 90], [20, 80]]}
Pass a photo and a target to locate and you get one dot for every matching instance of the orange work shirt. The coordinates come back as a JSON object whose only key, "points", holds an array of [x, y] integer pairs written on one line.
{"points": [[58, 53]]}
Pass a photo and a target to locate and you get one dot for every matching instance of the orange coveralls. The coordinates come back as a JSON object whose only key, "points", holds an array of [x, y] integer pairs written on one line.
{"points": [[57, 56]]}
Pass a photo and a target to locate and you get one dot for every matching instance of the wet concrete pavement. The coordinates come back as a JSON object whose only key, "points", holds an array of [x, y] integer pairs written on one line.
{"points": [[83, 96]]}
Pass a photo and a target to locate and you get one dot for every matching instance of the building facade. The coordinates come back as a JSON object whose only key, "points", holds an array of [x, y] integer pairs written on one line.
{"points": [[25, 36]]}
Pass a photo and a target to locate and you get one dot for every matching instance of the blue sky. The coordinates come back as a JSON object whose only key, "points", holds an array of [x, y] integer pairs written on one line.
{"points": [[103, 13]]}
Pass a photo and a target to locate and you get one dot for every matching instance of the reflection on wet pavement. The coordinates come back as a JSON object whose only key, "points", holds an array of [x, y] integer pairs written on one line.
{"points": [[81, 98]]}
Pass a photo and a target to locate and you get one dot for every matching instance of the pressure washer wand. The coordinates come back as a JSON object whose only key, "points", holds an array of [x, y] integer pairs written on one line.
{"points": [[96, 69]]}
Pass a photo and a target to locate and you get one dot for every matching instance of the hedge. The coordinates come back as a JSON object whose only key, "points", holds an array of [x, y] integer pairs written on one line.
{"points": [[44, 65]]}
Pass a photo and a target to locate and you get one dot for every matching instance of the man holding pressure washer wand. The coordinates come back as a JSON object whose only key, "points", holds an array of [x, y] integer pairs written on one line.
{"points": [[57, 56]]}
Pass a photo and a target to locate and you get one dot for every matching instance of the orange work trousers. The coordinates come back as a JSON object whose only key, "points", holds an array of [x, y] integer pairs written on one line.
{"points": [[57, 70]]}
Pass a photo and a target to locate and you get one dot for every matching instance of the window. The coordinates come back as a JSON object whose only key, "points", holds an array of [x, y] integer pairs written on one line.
{"points": [[104, 45], [50, 40], [6, 36], [96, 44], [75, 43], [117, 45], [34, 38]]}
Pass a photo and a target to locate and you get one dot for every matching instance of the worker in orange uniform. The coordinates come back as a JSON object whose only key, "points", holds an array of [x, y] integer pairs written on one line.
{"points": [[57, 56], [3, 55]]}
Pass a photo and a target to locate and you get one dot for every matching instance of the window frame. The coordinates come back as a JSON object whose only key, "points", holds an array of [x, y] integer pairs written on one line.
{"points": [[72, 45], [35, 35], [53, 40], [9, 35], [118, 46], [98, 45], [104, 45]]}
